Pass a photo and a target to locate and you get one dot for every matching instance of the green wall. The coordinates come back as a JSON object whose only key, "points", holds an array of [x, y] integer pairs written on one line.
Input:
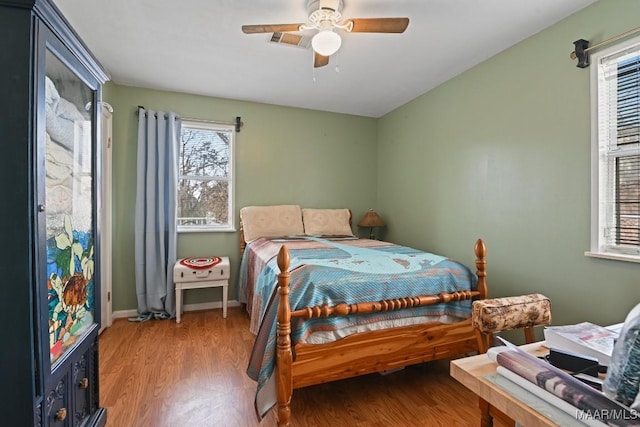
{"points": [[502, 152], [284, 155]]}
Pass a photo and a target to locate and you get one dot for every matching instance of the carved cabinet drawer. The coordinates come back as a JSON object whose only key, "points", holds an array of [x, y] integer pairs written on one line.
{"points": [[56, 404], [72, 396]]}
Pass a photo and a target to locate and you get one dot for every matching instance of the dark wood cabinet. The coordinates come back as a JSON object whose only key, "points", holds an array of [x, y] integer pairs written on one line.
{"points": [[50, 94]]}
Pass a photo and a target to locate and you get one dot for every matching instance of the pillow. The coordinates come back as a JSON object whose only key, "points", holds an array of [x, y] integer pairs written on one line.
{"points": [[271, 221], [327, 222]]}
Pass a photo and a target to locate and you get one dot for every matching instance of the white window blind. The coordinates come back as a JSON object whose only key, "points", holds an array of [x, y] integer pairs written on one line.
{"points": [[617, 146]]}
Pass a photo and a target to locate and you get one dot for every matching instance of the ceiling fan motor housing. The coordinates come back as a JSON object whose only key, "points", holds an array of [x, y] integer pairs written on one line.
{"points": [[325, 15], [332, 5]]}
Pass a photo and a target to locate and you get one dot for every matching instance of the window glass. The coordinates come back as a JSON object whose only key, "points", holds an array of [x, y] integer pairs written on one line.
{"points": [[616, 152], [69, 203], [205, 181]]}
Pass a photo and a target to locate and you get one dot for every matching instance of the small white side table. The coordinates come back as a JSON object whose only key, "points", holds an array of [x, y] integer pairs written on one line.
{"points": [[186, 277]]}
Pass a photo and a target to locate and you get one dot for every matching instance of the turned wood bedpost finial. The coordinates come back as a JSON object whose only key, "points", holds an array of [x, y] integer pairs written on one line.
{"points": [[283, 354], [481, 264]]}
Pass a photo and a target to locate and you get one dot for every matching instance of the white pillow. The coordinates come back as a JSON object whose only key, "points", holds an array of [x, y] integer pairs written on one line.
{"points": [[271, 221], [327, 222]]}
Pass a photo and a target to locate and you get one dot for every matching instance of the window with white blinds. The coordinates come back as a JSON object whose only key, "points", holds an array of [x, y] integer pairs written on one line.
{"points": [[616, 151]]}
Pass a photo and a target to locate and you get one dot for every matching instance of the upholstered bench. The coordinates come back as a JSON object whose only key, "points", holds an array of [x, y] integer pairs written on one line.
{"points": [[494, 315]]}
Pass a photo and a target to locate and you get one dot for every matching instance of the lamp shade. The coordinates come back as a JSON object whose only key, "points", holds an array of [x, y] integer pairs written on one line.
{"points": [[326, 42], [371, 219]]}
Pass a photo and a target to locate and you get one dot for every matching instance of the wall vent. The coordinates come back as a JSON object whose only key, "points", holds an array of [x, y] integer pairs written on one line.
{"points": [[289, 39]]}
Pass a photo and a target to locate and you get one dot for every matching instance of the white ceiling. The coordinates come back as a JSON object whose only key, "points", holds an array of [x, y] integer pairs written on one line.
{"points": [[197, 46]]}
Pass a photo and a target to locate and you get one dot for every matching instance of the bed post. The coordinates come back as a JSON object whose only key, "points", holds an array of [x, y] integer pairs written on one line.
{"points": [[283, 354], [243, 243], [481, 264]]}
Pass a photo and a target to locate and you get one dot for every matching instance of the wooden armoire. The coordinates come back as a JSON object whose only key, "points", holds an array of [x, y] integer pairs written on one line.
{"points": [[50, 94]]}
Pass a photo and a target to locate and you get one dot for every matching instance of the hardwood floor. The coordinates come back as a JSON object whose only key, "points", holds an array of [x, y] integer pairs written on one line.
{"points": [[160, 373]]}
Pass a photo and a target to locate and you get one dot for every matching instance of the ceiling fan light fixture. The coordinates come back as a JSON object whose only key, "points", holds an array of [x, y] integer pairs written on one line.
{"points": [[326, 42]]}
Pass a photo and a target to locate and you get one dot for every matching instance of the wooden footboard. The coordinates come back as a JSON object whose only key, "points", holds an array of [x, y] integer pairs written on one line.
{"points": [[367, 352]]}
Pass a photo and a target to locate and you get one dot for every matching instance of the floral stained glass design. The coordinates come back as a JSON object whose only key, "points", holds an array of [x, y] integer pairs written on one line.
{"points": [[69, 208]]}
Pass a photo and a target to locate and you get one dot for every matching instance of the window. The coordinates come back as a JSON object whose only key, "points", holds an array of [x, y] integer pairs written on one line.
{"points": [[205, 177], [616, 152]]}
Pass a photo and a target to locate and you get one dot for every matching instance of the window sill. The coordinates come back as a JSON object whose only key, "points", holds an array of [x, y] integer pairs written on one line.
{"points": [[206, 230], [612, 256]]}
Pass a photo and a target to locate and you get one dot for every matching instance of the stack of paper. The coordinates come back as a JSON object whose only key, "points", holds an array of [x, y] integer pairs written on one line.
{"points": [[583, 338]]}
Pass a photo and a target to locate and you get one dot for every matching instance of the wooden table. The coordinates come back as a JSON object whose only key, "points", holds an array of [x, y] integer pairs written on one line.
{"points": [[473, 372]]}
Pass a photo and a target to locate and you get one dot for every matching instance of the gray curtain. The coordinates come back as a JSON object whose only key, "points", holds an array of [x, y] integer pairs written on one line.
{"points": [[155, 217]]}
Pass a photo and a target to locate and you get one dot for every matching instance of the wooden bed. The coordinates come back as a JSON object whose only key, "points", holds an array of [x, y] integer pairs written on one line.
{"points": [[365, 352]]}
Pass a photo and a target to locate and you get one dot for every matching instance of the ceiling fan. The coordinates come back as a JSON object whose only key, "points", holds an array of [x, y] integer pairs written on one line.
{"points": [[325, 16]]}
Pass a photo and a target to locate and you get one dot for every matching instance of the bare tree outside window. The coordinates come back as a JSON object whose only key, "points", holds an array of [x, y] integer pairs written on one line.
{"points": [[205, 176]]}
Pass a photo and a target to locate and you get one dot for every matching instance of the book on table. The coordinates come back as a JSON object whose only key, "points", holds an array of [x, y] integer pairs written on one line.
{"points": [[583, 338], [560, 389]]}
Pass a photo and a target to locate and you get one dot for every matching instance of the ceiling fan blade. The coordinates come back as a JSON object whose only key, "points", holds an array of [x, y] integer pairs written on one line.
{"points": [[270, 28], [379, 25], [319, 60]]}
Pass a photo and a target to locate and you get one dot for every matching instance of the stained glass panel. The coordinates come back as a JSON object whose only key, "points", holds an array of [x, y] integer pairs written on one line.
{"points": [[69, 207]]}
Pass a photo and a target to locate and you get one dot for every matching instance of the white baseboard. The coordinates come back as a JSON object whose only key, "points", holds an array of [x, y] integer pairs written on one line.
{"points": [[187, 307]]}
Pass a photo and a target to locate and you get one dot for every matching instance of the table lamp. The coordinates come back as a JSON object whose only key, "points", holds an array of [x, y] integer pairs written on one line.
{"points": [[371, 219]]}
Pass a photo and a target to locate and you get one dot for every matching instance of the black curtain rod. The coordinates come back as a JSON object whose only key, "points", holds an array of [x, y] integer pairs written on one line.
{"points": [[582, 48], [238, 122]]}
